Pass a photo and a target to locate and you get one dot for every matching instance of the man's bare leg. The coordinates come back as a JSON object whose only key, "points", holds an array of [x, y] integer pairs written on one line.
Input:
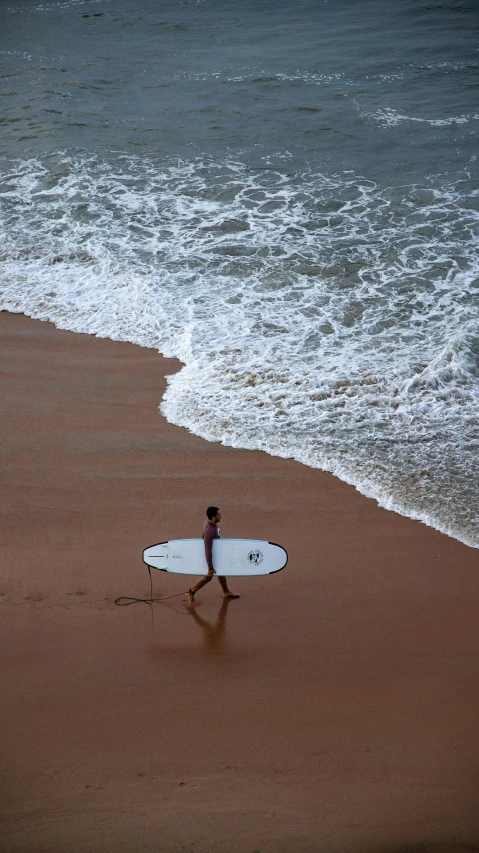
{"points": [[226, 592], [190, 595]]}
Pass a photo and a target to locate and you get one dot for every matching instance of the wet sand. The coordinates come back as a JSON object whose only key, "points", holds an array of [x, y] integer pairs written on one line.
{"points": [[332, 709]]}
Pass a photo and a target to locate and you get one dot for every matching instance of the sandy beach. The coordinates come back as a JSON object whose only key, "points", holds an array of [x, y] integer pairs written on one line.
{"points": [[333, 708]]}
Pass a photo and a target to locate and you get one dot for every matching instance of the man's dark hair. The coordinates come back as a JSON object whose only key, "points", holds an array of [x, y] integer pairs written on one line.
{"points": [[211, 512]]}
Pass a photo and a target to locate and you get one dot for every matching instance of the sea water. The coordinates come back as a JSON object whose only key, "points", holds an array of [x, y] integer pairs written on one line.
{"points": [[284, 196]]}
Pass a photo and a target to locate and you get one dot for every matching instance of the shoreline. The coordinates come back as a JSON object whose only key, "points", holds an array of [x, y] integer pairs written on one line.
{"points": [[370, 489], [332, 707]]}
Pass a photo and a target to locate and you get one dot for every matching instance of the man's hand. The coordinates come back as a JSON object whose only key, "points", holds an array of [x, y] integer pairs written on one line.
{"points": [[211, 572]]}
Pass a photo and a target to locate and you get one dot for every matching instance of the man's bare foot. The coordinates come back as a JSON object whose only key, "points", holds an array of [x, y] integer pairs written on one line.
{"points": [[230, 595], [189, 598]]}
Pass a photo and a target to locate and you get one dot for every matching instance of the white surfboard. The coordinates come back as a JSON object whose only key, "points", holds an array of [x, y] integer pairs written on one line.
{"points": [[231, 557]]}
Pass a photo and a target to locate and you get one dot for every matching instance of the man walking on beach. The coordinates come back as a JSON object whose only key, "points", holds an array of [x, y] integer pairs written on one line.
{"points": [[210, 531]]}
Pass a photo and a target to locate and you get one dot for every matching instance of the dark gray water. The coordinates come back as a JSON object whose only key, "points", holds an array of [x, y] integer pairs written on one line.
{"points": [[320, 79], [284, 195]]}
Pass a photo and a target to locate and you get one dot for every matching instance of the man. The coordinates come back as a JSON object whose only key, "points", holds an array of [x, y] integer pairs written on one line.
{"points": [[210, 532]]}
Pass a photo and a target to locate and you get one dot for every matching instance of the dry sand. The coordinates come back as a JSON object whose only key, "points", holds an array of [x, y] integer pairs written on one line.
{"points": [[332, 709]]}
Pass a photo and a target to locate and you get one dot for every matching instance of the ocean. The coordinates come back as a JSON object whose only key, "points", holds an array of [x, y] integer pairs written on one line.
{"points": [[284, 196]]}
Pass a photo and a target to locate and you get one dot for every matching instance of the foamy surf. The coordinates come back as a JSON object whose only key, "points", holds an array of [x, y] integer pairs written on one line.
{"points": [[319, 317]]}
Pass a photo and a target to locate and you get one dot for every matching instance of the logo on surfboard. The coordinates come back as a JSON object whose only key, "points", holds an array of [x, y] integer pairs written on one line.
{"points": [[255, 557]]}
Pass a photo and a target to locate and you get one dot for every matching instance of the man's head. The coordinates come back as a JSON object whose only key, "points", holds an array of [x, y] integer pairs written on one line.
{"points": [[213, 514]]}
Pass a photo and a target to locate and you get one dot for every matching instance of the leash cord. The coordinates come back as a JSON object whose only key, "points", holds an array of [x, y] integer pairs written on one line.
{"points": [[126, 600]]}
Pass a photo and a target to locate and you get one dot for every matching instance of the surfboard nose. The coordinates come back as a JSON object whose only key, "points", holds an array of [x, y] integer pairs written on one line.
{"points": [[285, 557]]}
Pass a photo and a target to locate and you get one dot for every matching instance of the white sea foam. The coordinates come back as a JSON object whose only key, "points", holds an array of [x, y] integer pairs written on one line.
{"points": [[20, 54], [389, 117], [318, 317], [54, 6], [257, 74]]}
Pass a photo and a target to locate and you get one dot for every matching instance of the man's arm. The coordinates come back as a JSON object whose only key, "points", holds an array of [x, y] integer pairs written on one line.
{"points": [[208, 537]]}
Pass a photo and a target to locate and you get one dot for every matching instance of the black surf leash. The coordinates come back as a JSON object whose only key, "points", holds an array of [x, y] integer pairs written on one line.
{"points": [[126, 600]]}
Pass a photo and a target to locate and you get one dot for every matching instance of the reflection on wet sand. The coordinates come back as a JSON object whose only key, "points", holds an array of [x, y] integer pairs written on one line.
{"points": [[213, 632]]}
